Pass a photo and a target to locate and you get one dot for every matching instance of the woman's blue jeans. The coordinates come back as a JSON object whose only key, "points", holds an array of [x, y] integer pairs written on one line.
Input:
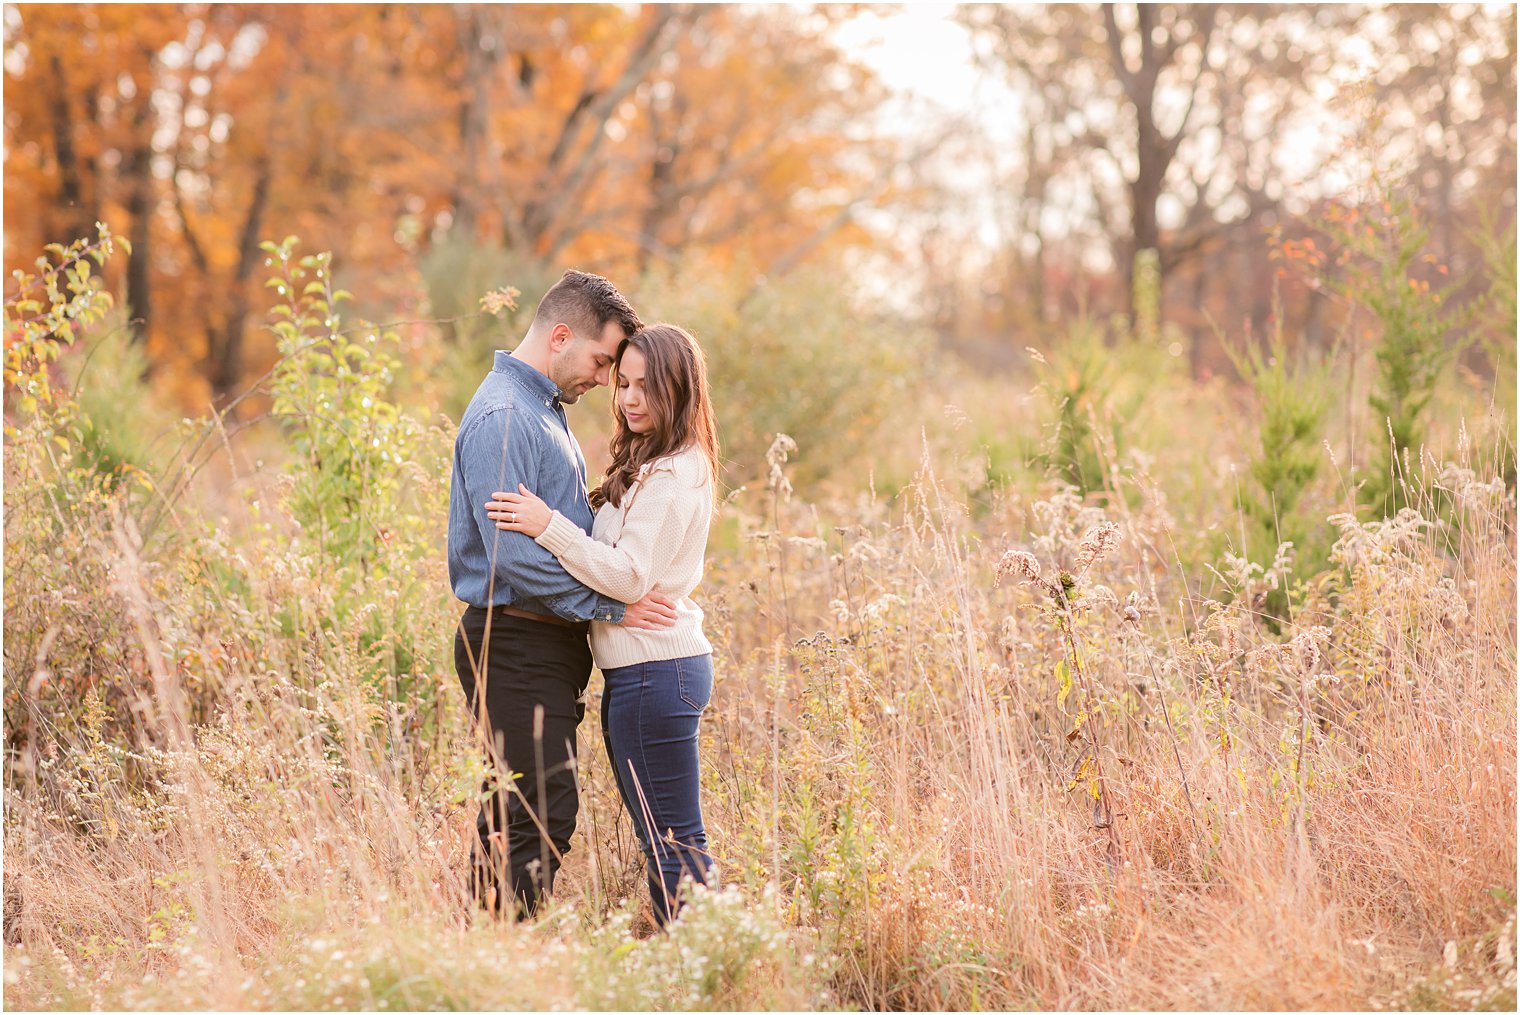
{"points": [[650, 713]]}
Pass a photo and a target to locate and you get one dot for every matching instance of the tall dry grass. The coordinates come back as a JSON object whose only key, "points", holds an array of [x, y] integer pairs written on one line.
{"points": [[973, 744], [232, 812]]}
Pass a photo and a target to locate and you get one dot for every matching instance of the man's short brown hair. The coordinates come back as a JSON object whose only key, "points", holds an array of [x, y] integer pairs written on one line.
{"points": [[586, 302]]}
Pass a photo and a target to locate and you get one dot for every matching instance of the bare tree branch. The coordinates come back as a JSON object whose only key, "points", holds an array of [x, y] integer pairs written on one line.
{"points": [[560, 184]]}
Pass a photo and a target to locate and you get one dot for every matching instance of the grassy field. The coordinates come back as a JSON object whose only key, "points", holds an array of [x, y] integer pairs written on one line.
{"points": [[980, 739]]}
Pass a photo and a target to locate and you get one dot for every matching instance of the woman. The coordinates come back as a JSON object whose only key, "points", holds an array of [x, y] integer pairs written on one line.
{"points": [[653, 507]]}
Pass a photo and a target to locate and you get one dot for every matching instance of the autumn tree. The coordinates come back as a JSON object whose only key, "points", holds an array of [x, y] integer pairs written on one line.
{"points": [[1192, 129], [611, 136], [79, 123]]}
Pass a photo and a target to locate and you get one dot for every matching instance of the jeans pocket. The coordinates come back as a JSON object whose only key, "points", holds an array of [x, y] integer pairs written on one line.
{"points": [[694, 681]]}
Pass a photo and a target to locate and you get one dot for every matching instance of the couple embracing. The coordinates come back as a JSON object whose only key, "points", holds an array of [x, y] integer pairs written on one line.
{"points": [[540, 573]]}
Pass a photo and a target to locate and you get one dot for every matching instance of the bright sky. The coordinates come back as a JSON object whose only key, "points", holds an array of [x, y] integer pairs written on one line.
{"points": [[916, 48], [921, 53]]}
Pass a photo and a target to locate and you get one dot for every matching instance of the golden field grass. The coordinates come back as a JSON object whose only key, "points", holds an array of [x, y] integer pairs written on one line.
{"points": [[979, 740], [937, 774]]}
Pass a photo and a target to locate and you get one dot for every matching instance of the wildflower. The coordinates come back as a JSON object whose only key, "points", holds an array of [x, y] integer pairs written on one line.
{"points": [[1447, 603], [1467, 489], [1240, 573]]}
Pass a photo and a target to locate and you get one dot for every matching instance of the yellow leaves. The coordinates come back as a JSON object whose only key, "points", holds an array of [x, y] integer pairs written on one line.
{"points": [[1076, 726], [1084, 770], [499, 300], [1087, 775]]}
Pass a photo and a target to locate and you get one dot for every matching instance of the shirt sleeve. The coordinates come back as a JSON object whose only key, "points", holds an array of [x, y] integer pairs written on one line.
{"points": [[663, 507], [492, 450]]}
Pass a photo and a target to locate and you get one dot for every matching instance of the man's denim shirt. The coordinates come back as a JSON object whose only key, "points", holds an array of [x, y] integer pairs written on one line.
{"points": [[514, 431]]}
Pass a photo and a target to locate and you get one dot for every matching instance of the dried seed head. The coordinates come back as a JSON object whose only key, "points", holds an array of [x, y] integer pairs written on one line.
{"points": [[779, 449], [776, 457], [1308, 646], [1096, 545], [1017, 562], [1136, 604]]}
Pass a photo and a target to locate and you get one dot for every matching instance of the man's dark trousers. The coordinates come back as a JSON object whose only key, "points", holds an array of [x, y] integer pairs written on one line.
{"points": [[534, 674]]}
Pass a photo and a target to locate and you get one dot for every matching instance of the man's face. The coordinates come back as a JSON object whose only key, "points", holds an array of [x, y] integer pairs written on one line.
{"points": [[578, 363]]}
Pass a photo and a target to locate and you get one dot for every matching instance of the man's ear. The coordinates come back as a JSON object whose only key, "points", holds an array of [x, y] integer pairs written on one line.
{"points": [[560, 336]]}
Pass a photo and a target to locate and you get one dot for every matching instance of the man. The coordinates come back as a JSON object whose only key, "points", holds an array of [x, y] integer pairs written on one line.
{"points": [[521, 649]]}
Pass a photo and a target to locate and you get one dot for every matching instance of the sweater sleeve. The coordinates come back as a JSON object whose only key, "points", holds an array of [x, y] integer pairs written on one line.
{"points": [[663, 507]]}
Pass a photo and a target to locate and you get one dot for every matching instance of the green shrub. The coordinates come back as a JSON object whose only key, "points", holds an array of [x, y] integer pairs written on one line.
{"points": [[368, 488], [1095, 390], [794, 356], [332, 388], [119, 425], [456, 273], [1078, 377], [1496, 330], [1382, 251], [61, 624], [1292, 396]]}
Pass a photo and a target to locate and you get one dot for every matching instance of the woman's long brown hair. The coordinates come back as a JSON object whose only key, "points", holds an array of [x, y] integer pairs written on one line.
{"points": [[680, 409]]}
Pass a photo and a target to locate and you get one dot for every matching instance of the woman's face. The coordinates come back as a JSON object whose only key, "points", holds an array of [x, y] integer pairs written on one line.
{"points": [[631, 395]]}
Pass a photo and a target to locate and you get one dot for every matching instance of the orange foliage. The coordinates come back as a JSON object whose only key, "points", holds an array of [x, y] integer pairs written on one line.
{"points": [[607, 136]]}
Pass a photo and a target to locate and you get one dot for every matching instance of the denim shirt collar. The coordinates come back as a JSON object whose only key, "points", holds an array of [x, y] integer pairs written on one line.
{"points": [[527, 376]]}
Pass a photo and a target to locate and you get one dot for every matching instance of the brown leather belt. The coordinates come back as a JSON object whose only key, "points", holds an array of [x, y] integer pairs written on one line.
{"points": [[542, 618]]}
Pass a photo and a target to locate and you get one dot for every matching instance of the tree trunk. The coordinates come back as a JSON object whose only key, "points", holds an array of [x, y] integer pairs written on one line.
{"points": [[1154, 150], [667, 148], [563, 179], [226, 366], [78, 221], [481, 54], [140, 206], [1036, 178]]}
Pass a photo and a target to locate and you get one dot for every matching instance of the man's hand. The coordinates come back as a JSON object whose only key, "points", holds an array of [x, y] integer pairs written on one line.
{"points": [[652, 613]]}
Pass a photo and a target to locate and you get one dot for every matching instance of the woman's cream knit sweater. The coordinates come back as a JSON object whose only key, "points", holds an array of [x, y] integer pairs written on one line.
{"points": [[655, 540]]}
